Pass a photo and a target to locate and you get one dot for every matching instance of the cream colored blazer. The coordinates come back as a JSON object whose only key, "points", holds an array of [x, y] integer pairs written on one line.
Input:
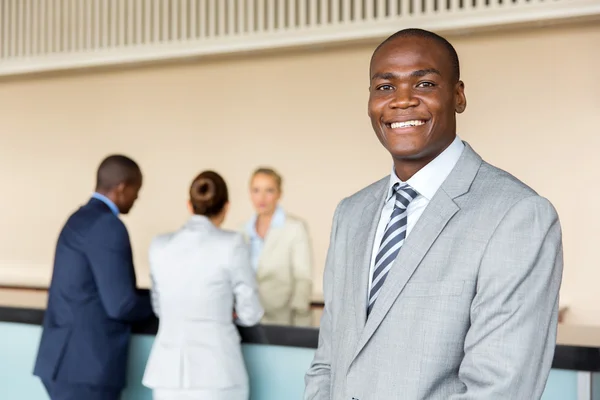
{"points": [[284, 274]]}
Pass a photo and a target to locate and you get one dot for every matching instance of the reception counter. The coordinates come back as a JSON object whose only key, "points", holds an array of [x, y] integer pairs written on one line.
{"points": [[276, 357]]}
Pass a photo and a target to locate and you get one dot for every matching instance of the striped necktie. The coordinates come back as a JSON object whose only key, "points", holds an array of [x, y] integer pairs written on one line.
{"points": [[392, 241]]}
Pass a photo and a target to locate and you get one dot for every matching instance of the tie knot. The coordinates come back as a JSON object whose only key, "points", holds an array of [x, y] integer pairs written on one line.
{"points": [[404, 194]]}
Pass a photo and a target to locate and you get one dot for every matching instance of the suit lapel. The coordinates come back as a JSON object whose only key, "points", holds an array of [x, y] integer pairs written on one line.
{"points": [[363, 243], [433, 220], [425, 232]]}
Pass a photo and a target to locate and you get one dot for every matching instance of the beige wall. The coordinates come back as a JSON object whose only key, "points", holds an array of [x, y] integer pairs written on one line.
{"points": [[533, 109]]}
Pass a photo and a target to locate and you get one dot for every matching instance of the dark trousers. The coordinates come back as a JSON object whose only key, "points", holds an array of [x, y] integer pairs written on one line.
{"points": [[71, 391]]}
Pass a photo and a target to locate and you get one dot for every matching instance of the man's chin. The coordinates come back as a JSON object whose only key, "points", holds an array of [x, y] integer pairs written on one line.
{"points": [[406, 153]]}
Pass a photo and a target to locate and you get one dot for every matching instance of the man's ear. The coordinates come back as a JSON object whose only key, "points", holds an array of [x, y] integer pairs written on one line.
{"points": [[460, 103], [190, 207], [120, 188]]}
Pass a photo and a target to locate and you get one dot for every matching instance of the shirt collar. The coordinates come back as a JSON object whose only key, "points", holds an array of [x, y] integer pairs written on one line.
{"points": [[113, 207], [277, 221], [428, 179]]}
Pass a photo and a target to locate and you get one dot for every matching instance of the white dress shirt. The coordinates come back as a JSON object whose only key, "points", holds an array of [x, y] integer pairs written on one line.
{"points": [[426, 183]]}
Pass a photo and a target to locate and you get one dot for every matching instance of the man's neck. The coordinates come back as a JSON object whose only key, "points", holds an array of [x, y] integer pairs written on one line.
{"points": [[108, 200], [406, 168], [108, 194]]}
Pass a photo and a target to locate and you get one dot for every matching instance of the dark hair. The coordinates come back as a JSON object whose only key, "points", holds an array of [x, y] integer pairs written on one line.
{"points": [[115, 170], [208, 194], [421, 33], [270, 172]]}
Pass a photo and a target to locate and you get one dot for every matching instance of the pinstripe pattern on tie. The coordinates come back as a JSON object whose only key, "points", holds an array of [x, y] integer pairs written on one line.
{"points": [[393, 239]]}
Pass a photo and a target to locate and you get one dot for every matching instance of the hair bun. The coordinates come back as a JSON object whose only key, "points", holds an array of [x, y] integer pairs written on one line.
{"points": [[203, 190], [208, 194]]}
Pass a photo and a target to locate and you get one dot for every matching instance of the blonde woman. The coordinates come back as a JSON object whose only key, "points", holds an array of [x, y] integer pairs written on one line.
{"points": [[280, 252], [200, 274]]}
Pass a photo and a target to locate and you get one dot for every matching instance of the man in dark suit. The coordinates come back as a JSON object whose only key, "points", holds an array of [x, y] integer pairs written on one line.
{"points": [[93, 297]]}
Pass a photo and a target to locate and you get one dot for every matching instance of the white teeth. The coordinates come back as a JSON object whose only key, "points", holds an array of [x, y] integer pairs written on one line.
{"points": [[405, 124]]}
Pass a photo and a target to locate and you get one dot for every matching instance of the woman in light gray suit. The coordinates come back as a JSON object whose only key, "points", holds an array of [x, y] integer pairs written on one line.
{"points": [[200, 275]]}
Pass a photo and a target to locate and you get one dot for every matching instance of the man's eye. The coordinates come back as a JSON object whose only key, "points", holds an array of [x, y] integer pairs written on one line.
{"points": [[385, 87], [426, 84]]}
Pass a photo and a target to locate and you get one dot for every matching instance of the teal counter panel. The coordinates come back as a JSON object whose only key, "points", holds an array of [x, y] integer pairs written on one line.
{"points": [[276, 372], [18, 347], [561, 385]]}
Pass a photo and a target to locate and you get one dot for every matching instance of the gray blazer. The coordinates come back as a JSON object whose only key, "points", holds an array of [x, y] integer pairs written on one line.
{"points": [[200, 274], [469, 309]]}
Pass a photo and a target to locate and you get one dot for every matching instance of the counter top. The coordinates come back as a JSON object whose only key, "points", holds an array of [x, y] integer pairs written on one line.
{"points": [[578, 347], [27, 306]]}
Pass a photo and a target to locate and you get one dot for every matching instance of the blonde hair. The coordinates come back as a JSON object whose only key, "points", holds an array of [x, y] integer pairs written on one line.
{"points": [[269, 172]]}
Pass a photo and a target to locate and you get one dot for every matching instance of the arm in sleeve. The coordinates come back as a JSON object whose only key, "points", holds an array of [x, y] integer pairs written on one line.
{"points": [[302, 274], [318, 377], [510, 344], [248, 309], [109, 254], [154, 289], [154, 296]]}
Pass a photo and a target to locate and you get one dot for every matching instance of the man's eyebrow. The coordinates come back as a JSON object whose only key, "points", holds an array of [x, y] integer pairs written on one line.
{"points": [[418, 74], [422, 72], [385, 76]]}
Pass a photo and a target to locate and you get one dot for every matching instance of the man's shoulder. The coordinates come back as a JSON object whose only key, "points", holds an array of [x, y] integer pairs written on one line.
{"points": [[368, 193], [495, 193], [91, 218], [92, 210], [495, 182]]}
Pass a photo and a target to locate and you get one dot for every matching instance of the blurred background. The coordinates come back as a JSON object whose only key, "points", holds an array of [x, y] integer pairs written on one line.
{"points": [[187, 85], [230, 85]]}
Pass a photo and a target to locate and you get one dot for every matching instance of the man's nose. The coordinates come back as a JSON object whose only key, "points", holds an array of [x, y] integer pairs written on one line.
{"points": [[404, 98]]}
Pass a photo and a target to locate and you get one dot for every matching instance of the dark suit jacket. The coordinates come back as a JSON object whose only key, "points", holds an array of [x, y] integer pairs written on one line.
{"points": [[92, 301]]}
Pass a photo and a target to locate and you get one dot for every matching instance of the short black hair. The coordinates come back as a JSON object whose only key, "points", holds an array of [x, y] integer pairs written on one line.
{"points": [[115, 170], [421, 33]]}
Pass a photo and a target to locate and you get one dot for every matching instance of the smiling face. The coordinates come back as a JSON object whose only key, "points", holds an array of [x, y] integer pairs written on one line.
{"points": [[413, 101]]}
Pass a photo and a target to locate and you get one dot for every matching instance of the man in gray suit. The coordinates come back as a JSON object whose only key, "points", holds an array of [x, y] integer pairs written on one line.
{"points": [[441, 280]]}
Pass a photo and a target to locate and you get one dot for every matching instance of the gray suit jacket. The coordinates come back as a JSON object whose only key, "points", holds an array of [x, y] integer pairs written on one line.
{"points": [[469, 309], [200, 274]]}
